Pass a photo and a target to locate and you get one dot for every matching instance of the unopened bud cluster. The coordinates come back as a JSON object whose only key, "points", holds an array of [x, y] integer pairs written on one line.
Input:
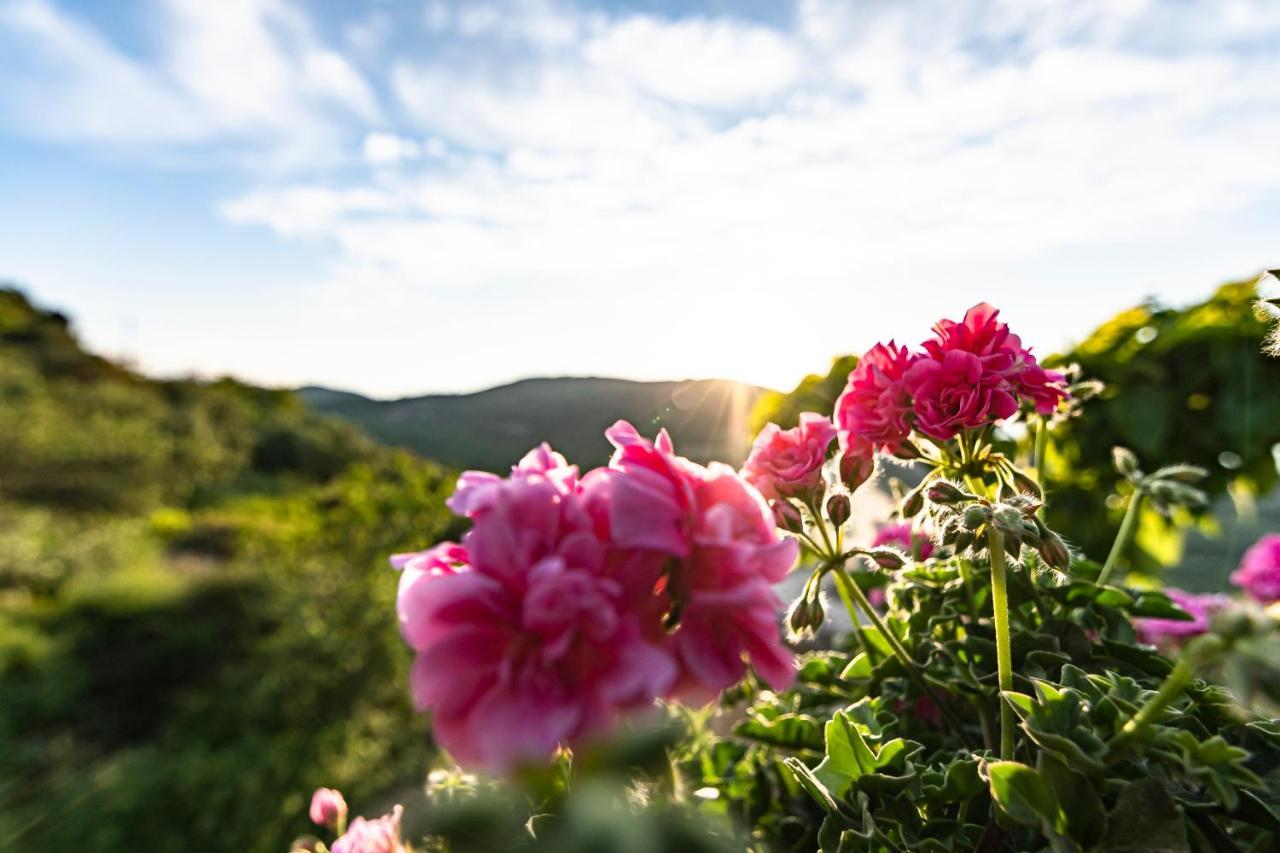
{"points": [[966, 520], [1168, 488]]}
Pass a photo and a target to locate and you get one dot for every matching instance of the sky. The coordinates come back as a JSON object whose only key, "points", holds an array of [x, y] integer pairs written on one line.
{"points": [[420, 196]]}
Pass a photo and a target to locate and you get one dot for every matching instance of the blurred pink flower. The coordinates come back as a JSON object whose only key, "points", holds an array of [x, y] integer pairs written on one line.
{"points": [[328, 808], [530, 635], [1166, 632], [1259, 572], [915, 543], [723, 555], [874, 412], [381, 835], [788, 463]]}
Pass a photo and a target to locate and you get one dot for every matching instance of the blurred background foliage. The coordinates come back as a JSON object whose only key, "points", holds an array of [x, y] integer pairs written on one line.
{"points": [[1189, 384], [195, 605], [196, 621]]}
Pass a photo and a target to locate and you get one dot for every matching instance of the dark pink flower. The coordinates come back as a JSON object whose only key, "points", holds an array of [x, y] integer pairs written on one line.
{"points": [[328, 808], [914, 543], [534, 633], [874, 412], [952, 391], [381, 835], [1259, 572], [1169, 632], [722, 555], [788, 463]]}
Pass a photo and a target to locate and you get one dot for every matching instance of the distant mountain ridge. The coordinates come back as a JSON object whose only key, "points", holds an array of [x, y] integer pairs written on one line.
{"points": [[491, 429]]}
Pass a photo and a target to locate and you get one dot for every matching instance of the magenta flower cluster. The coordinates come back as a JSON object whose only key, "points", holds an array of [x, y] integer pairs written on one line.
{"points": [[1259, 572], [1171, 632], [968, 375], [576, 599]]}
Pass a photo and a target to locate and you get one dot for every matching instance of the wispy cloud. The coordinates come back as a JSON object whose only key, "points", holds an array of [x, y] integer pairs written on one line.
{"points": [[626, 161]]}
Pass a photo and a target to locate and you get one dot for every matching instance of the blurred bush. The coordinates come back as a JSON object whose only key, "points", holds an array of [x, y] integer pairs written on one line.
{"points": [[195, 607]]}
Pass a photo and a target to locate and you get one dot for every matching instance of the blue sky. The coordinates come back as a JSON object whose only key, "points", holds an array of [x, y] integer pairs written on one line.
{"points": [[415, 195]]}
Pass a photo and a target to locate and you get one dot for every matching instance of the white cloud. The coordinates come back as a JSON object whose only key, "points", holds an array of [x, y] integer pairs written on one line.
{"points": [[382, 148]]}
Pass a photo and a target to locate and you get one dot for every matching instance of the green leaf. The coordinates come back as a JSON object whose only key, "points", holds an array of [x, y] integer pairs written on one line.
{"points": [[1080, 812], [1022, 793], [1145, 820]]}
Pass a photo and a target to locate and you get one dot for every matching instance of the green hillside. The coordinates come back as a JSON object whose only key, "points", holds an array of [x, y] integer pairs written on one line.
{"points": [[194, 604], [492, 429]]}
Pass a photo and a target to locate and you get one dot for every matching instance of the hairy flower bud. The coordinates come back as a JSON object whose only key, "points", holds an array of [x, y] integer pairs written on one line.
{"points": [[1125, 461], [856, 468], [798, 616], [786, 516], [1027, 485], [1054, 551], [887, 558], [945, 492], [975, 516], [838, 509]]}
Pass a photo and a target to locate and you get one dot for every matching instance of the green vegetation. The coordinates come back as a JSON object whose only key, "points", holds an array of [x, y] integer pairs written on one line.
{"points": [[194, 604]]}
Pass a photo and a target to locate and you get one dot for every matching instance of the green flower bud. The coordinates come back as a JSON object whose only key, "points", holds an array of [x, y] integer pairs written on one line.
{"points": [[838, 509]]}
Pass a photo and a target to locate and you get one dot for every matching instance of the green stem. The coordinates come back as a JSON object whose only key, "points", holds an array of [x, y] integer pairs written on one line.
{"points": [[854, 592], [1004, 645], [853, 615], [1174, 683], [1038, 451], [1127, 528]]}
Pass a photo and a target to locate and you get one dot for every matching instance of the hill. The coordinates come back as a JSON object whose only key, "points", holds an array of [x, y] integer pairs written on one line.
{"points": [[492, 429]]}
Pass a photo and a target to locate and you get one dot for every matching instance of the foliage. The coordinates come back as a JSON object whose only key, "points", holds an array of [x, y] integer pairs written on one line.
{"points": [[193, 599]]}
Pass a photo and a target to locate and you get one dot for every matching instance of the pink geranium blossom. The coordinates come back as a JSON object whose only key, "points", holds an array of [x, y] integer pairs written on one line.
{"points": [[328, 808], [874, 412], [723, 554], [1259, 572], [381, 835], [913, 542], [527, 637], [788, 463], [1168, 632]]}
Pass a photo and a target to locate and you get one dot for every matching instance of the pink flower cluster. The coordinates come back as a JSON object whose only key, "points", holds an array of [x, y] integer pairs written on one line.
{"points": [[968, 375], [573, 600], [1171, 632], [787, 463], [380, 835], [1259, 572]]}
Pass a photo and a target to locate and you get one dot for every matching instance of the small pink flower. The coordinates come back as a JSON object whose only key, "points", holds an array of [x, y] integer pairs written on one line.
{"points": [[1259, 572], [328, 808], [716, 535], [914, 543], [381, 835], [874, 412], [1170, 632], [952, 392], [788, 463]]}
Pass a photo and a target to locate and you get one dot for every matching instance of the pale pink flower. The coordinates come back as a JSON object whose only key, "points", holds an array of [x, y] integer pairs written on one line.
{"points": [[381, 835], [788, 462], [1170, 632], [874, 412], [328, 808], [1259, 572], [723, 556]]}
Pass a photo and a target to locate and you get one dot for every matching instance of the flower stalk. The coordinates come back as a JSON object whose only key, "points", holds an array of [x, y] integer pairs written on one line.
{"points": [[1004, 645], [1128, 526]]}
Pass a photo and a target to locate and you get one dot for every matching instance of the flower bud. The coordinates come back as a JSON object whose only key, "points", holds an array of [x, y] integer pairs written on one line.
{"points": [[328, 808], [787, 517], [887, 558], [838, 509], [1054, 551], [912, 504], [944, 492], [964, 541], [1027, 485], [798, 617], [1008, 520], [817, 613], [975, 516], [1126, 463], [856, 468]]}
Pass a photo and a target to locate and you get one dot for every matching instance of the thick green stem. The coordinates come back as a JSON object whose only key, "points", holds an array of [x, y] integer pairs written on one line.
{"points": [[1127, 528], [1004, 645]]}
